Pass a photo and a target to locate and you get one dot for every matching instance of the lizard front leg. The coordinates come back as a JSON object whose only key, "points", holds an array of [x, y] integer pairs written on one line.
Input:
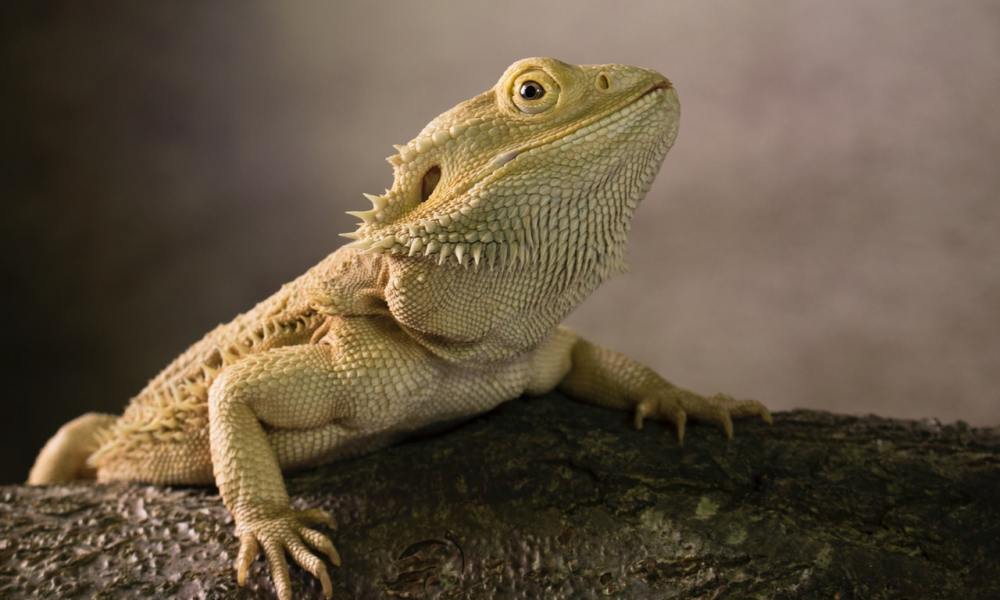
{"points": [[601, 376], [290, 407], [292, 388]]}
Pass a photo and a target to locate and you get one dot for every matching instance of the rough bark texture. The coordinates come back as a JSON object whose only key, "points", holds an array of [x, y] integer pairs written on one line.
{"points": [[550, 498]]}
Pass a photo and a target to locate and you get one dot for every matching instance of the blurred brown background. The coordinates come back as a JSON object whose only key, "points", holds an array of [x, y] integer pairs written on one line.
{"points": [[825, 233]]}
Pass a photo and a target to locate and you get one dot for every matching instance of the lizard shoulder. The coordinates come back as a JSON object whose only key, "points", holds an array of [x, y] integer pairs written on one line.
{"points": [[550, 361], [346, 283]]}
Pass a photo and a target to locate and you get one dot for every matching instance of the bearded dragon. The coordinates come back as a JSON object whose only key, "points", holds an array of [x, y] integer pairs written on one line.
{"points": [[505, 212]]}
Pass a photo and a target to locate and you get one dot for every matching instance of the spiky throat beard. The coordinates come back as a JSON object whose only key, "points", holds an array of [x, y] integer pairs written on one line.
{"points": [[569, 199]]}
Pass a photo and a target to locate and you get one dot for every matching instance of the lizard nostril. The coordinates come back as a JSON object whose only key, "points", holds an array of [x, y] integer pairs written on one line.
{"points": [[429, 182], [603, 82]]}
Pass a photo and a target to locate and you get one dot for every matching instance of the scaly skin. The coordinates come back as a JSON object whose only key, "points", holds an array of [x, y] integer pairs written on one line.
{"points": [[504, 214]]}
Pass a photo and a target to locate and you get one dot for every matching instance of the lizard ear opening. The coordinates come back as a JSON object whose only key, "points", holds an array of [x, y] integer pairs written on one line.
{"points": [[429, 182]]}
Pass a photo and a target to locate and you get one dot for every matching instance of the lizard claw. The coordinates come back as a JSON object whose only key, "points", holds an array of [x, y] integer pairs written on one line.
{"points": [[677, 405], [664, 408], [287, 533]]}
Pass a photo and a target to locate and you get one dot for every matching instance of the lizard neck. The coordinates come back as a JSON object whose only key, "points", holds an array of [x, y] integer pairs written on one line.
{"points": [[463, 313]]}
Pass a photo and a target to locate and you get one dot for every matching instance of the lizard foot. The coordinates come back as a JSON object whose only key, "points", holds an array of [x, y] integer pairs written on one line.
{"points": [[287, 531], [676, 405]]}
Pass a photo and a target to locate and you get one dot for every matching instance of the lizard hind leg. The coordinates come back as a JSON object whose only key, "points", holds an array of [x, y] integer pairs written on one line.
{"points": [[64, 456]]}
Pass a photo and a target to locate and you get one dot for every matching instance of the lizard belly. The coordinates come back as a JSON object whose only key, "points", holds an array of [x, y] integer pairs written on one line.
{"points": [[389, 386]]}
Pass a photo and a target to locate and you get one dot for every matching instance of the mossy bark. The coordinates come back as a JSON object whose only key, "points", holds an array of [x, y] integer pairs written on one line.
{"points": [[547, 498]]}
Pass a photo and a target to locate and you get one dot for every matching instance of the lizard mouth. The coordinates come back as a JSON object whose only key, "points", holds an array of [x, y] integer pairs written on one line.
{"points": [[659, 85]]}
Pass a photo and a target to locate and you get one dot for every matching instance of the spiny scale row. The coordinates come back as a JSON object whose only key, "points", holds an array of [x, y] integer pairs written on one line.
{"points": [[377, 213], [196, 385], [425, 142], [476, 253], [176, 407]]}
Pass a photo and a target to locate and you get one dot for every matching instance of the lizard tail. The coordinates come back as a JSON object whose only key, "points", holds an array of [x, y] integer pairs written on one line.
{"points": [[64, 457]]}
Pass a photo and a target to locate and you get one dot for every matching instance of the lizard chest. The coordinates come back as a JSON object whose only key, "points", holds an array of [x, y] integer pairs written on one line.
{"points": [[399, 383]]}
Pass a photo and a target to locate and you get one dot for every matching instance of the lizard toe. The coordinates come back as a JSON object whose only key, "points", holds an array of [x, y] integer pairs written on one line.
{"points": [[249, 548], [750, 408], [319, 542], [664, 408], [316, 516], [275, 554], [285, 532], [308, 561], [678, 406]]}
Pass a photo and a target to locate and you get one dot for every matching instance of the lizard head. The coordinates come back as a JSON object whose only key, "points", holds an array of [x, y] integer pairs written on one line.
{"points": [[543, 169]]}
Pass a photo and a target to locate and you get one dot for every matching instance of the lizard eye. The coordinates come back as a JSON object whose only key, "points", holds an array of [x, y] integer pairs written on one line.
{"points": [[534, 92], [531, 90]]}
